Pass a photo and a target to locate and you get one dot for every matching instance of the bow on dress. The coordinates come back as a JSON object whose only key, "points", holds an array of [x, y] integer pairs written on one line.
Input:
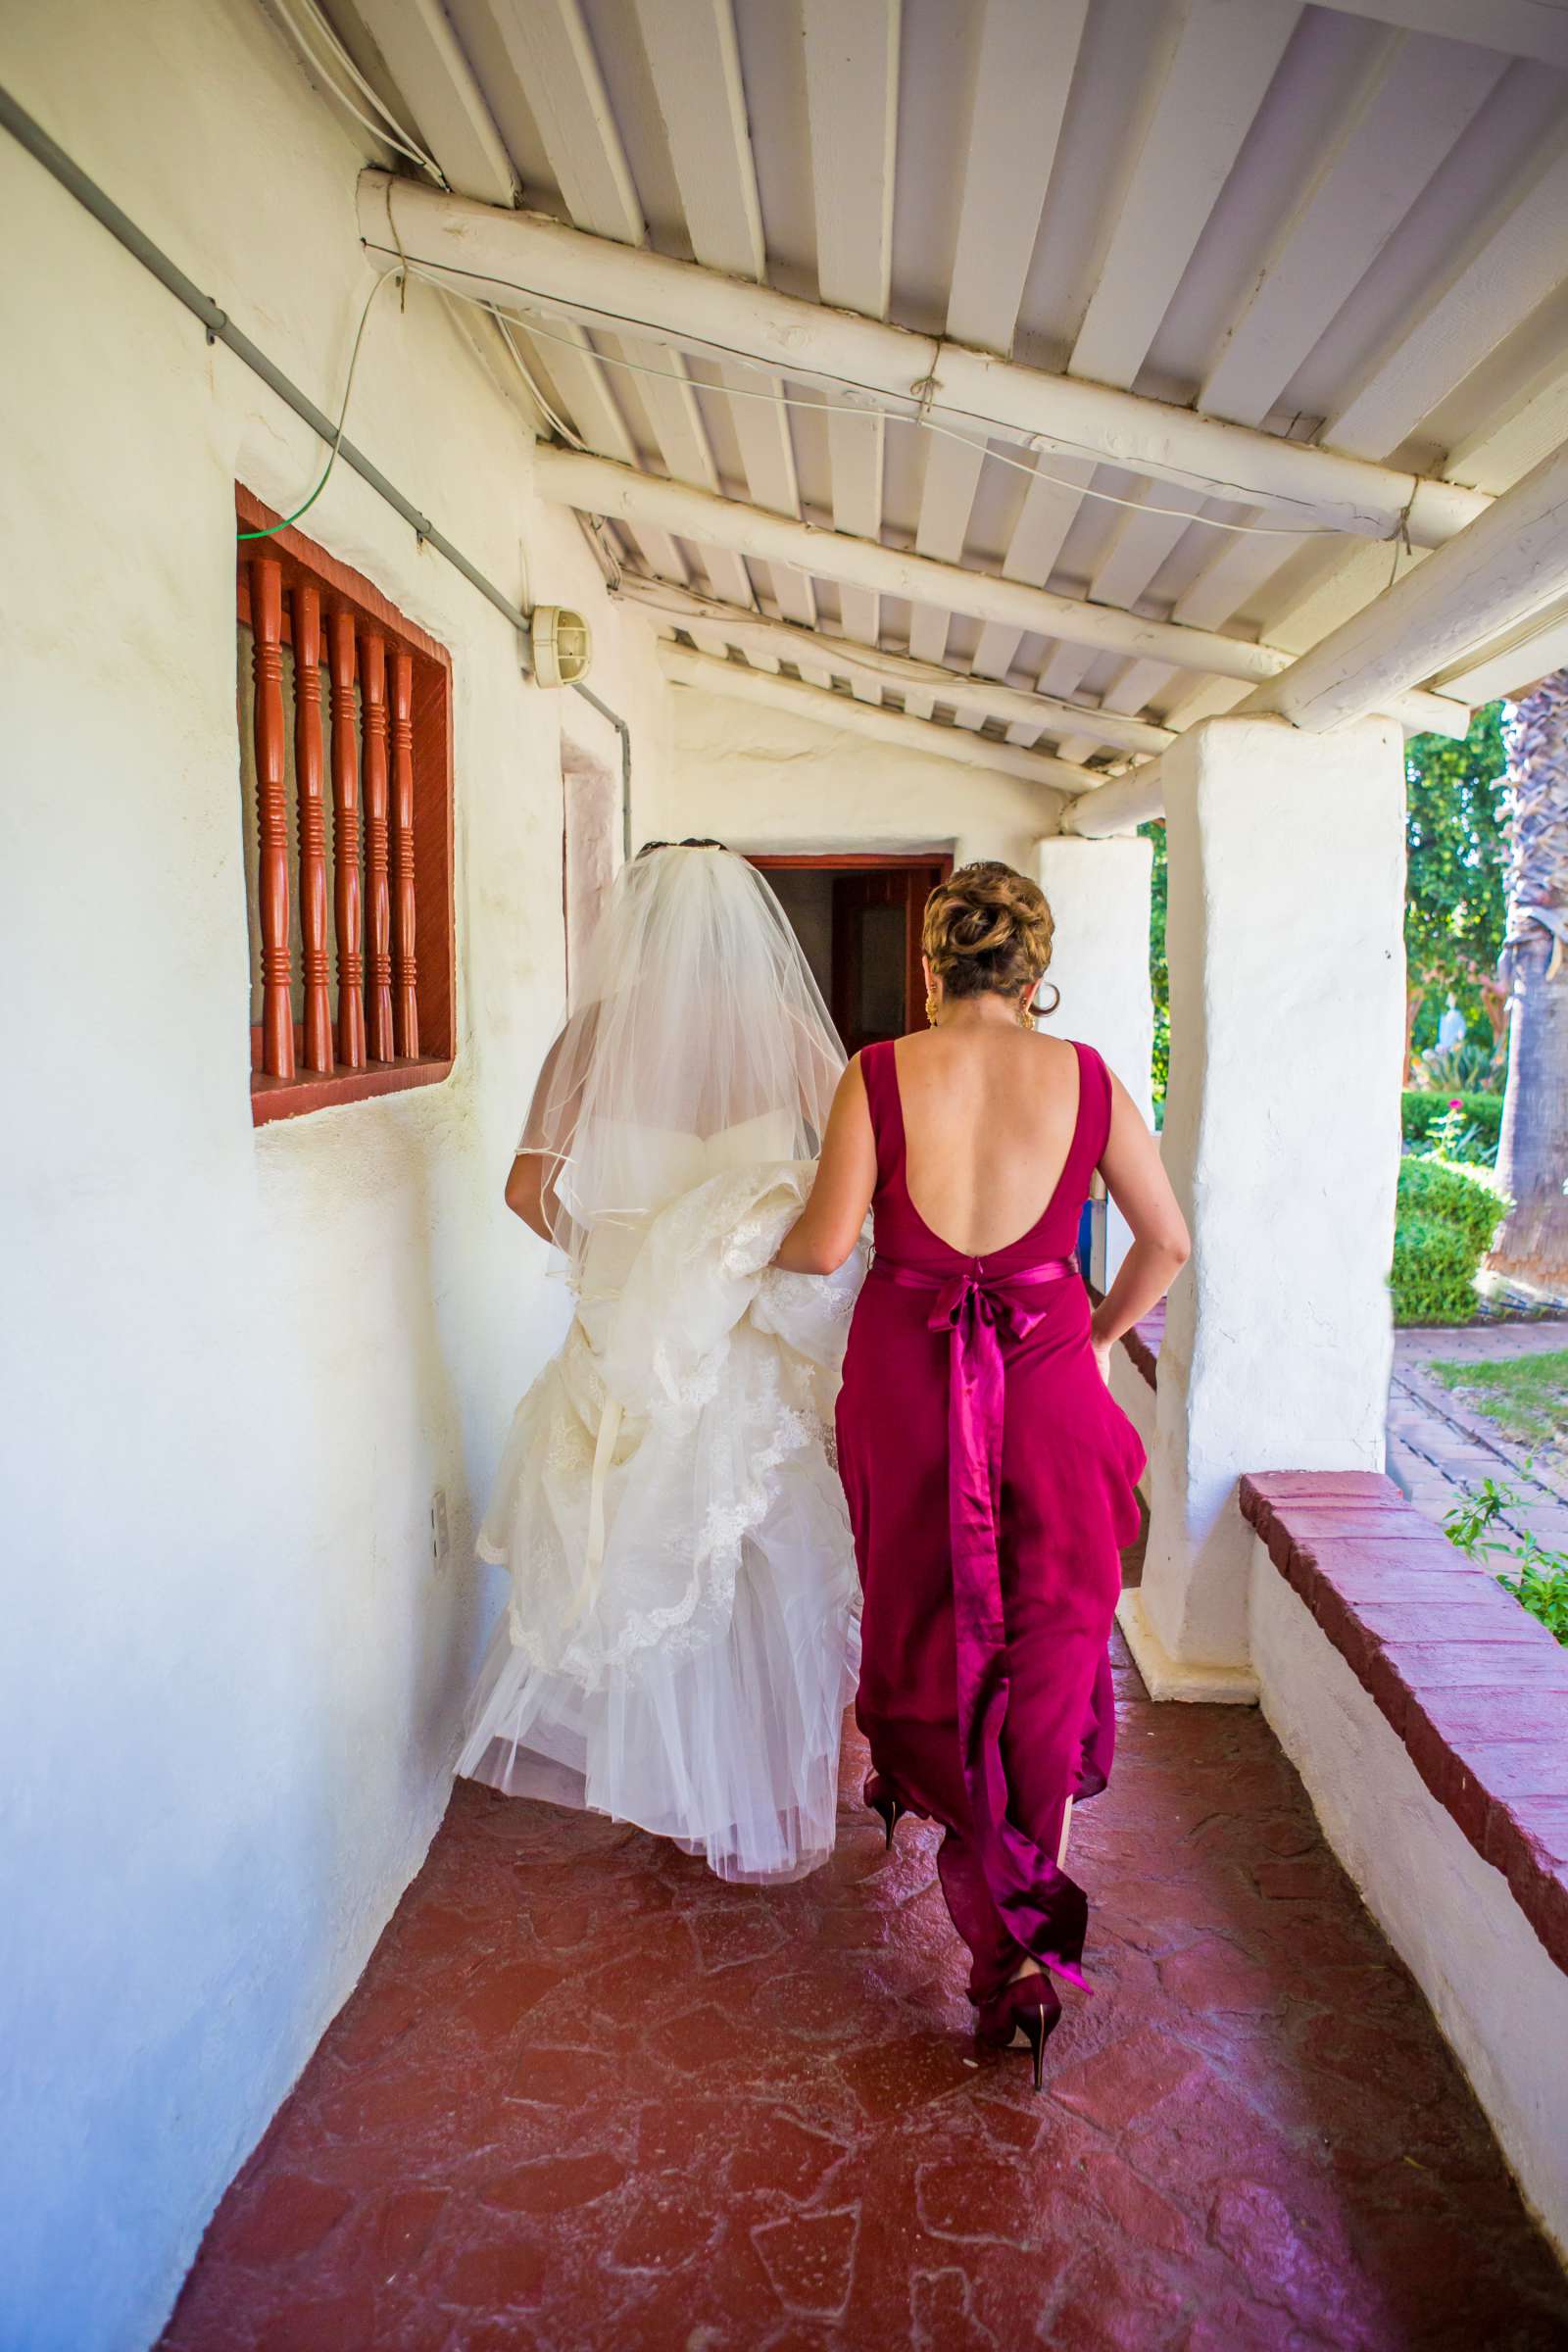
{"points": [[1045, 1909]]}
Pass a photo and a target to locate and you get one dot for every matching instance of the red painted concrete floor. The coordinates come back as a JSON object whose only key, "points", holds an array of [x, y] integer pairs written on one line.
{"points": [[586, 2096]]}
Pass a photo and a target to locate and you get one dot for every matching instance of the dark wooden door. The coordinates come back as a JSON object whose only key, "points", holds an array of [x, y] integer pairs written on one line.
{"points": [[878, 988]]}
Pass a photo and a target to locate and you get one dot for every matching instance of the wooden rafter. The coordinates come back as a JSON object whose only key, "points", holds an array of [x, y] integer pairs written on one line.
{"points": [[695, 68], [549, 48], [595, 487], [1017, 105], [977, 699], [1509, 568], [426, 59], [852, 89], [1514, 260], [1518, 28], [1499, 572], [1413, 103], [1205, 91], [896, 727], [1210, 90], [521, 256], [1511, 270]]}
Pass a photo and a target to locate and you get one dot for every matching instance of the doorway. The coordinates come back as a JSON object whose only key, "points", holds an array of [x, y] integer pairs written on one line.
{"points": [[858, 919]]}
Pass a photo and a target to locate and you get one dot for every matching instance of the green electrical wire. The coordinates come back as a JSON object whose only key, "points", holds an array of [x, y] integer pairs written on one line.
{"points": [[272, 528]]}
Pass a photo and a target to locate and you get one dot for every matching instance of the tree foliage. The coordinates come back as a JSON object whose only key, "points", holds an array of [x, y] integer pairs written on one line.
{"points": [[1456, 909], [1532, 1158], [1158, 967]]}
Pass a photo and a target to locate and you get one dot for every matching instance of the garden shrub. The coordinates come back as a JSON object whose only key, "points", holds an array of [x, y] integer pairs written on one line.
{"points": [[1422, 1107], [1443, 1229], [1435, 1188], [1434, 1273]]}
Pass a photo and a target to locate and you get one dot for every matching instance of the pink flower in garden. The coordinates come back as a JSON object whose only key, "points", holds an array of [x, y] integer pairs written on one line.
{"points": [[1454, 1102]]}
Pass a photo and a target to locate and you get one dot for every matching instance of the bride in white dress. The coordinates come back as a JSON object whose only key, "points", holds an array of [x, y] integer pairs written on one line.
{"points": [[682, 1634]]}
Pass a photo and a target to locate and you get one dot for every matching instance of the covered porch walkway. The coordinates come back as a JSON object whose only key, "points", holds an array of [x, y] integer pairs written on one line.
{"points": [[584, 2095], [967, 431]]}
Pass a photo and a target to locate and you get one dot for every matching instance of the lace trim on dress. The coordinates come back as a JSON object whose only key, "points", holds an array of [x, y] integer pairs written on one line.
{"points": [[723, 1374]]}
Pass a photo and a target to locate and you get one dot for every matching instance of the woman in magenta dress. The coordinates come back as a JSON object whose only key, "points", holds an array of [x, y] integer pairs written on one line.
{"points": [[989, 1472]]}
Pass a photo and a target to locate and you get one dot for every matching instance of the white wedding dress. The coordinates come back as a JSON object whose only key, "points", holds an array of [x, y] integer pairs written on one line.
{"points": [[682, 1635]]}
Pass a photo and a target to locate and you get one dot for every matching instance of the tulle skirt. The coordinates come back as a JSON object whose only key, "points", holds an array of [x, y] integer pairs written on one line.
{"points": [[682, 1636]]}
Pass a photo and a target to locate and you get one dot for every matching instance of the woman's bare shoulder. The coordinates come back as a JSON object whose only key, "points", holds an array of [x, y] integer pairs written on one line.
{"points": [[1055, 1059], [1043, 1050]]}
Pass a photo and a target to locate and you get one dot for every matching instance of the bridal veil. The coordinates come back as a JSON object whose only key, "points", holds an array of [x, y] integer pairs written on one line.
{"points": [[681, 1636]]}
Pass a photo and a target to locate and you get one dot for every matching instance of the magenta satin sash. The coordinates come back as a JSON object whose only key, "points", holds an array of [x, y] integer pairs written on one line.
{"points": [[1045, 1909]]}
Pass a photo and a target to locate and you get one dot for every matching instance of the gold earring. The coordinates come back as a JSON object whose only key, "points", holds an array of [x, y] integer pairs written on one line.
{"points": [[932, 1008]]}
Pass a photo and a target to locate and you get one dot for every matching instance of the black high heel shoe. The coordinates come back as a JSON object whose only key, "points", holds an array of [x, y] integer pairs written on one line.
{"points": [[1021, 2016], [889, 1809]]}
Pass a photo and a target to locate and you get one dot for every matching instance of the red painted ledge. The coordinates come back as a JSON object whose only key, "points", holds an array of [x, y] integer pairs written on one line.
{"points": [[288, 1097], [1477, 1690]]}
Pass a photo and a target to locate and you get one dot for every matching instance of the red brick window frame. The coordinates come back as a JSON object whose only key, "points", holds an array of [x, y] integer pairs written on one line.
{"points": [[345, 713]]}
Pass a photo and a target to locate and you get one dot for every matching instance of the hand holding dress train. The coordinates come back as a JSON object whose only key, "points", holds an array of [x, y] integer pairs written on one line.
{"points": [[681, 1638]]}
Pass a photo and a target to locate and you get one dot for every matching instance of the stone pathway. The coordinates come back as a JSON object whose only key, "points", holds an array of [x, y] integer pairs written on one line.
{"points": [[586, 2096], [1440, 1448]]}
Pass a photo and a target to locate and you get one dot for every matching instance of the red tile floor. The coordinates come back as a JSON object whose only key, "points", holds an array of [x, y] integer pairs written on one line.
{"points": [[586, 2096]]}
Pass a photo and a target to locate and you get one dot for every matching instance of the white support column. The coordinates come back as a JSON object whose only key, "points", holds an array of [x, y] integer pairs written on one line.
{"points": [[1099, 893], [1283, 931]]}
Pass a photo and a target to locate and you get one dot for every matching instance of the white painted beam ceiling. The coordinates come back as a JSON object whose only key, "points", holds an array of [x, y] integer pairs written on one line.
{"points": [[1337, 230]]}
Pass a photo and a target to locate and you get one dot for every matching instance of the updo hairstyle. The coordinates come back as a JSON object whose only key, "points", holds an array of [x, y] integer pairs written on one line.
{"points": [[988, 931], [691, 842]]}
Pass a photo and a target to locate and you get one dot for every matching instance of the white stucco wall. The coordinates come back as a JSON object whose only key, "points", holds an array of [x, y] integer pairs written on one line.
{"points": [[1283, 931], [239, 1361], [1499, 1999], [1099, 899], [761, 779]]}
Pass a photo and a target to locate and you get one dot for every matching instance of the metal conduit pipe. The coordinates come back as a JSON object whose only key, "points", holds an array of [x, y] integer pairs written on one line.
{"points": [[625, 732], [220, 329]]}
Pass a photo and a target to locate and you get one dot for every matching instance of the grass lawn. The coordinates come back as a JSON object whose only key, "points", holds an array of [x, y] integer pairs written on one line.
{"points": [[1525, 1394]]}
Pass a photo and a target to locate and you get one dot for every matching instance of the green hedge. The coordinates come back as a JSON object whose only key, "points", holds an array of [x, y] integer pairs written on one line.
{"points": [[1421, 1107], [1436, 1188], [1443, 1229], [1433, 1277]]}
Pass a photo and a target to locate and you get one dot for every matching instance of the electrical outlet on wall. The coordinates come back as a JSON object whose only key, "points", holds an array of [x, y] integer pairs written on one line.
{"points": [[440, 1534]]}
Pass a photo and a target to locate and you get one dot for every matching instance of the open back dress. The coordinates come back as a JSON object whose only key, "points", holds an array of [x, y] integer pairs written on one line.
{"points": [[990, 1481]]}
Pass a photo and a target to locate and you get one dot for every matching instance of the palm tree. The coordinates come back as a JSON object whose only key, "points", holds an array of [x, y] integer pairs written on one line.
{"points": [[1533, 1159]]}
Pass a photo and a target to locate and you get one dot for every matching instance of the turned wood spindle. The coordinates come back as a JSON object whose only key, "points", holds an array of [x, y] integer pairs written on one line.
{"points": [[350, 908], [306, 605], [373, 728], [272, 813], [406, 997]]}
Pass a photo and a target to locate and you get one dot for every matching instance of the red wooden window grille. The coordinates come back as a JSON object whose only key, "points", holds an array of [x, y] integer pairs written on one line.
{"points": [[347, 783]]}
